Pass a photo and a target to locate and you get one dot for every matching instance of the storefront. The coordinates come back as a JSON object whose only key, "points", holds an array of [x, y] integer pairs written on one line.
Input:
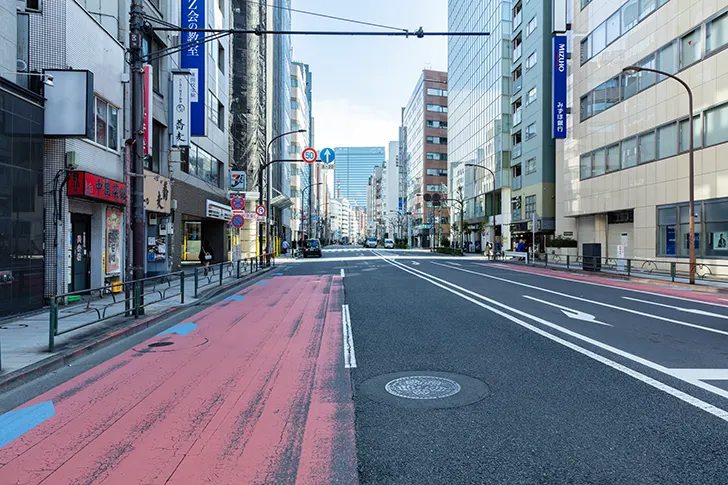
{"points": [[160, 231], [95, 230]]}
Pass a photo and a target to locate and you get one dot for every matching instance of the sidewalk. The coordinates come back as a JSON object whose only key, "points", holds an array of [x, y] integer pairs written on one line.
{"points": [[24, 340]]}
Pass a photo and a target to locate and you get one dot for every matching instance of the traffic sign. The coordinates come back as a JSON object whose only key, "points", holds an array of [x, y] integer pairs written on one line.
{"points": [[328, 155], [260, 210], [237, 221], [309, 155], [237, 203]]}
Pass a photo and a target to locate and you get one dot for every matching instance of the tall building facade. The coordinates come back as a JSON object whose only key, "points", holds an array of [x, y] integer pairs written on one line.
{"points": [[624, 179], [301, 172], [533, 166], [426, 126], [353, 166], [479, 70]]}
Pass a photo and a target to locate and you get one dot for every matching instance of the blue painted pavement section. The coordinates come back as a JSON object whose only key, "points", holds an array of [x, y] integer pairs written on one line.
{"points": [[181, 329], [15, 424], [277, 274], [262, 283], [235, 297]]}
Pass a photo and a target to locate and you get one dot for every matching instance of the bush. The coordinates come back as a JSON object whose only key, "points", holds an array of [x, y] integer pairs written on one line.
{"points": [[450, 251], [444, 242], [563, 242]]}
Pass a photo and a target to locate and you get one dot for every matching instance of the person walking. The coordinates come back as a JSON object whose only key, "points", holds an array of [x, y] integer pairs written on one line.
{"points": [[206, 255], [285, 246]]}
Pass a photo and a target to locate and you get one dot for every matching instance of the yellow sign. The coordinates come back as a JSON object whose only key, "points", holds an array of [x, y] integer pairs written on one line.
{"points": [[157, 193]]}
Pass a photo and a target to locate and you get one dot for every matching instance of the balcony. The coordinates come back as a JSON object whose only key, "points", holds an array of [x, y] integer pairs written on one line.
{"points": [[517, 85], [517, 117], [517, 51], [516, 183], [516, 152], [517, 20]]}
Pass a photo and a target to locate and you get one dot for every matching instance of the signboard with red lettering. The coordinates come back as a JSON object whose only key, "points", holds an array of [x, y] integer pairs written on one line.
{"points": [[90, 186]]}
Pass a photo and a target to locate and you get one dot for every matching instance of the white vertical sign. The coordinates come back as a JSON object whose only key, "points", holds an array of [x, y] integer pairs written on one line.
{"points": [[181, 109], [148, 107], [559, 17]]}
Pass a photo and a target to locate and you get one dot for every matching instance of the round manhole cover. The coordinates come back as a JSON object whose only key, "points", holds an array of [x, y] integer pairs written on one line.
{"points": [[160, 344], [422, 387]]}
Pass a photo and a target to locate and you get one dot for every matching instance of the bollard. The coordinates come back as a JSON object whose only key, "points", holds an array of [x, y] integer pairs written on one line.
{"points": [[672, 271], [546, 260], [237, 269], [568, 261], [137, 295], [221, 269], [629, 267], [197, 281], [53, 325], [182, 287]]}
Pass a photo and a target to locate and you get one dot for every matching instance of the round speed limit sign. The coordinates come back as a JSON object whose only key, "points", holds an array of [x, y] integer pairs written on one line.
{"points": [[309, 155]]}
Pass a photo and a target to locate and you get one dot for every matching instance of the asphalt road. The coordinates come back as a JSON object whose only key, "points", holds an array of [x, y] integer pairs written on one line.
{"points": [[545, 378]]}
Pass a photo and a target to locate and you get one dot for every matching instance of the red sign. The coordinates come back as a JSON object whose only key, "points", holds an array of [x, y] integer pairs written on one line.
{"points": [[309, 155], [84, 184], [237, 203], [237, 221], [260, 210]]}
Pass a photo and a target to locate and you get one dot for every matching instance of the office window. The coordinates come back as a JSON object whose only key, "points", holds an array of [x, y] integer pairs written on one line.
{"points": [[613, 28], [436, 172], [221, 116], [667, 59], [646, 79], [531, 165], [690, 48], [647, 147], [585, 50], [629, 84], [685, 134], [436, 108], [436, 188], [584, 3], [220, 57], [204, 166], [437, 140], [599, 162], [629, 152], [531, 26], [667, 141], [599, 39], [436, 156], [531, 60], [586, 106], [630, 15], [716, 227], [436, 124], [212, 111], [585, 166], [530, 131], [716, 125], [101, 115], [294, 103], [152, 161], [716, 35], [667, 224], [613, 159], [106, 125], [294, 82], [531, 96], [436, 92], [647, 7], [530, 206]]}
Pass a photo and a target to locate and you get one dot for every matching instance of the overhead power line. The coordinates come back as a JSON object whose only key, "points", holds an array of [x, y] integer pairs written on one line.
{"points": [[419, 33]]}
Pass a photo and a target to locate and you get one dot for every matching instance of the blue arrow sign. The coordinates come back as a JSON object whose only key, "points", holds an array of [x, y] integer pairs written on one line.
{"points": [[327, 155]]}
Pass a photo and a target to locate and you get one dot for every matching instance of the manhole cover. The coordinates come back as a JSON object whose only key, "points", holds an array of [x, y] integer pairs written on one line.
{"points": [[423, 387], [160, 344]]}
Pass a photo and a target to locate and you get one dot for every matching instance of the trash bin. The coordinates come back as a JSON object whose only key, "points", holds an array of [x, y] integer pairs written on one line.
{"points": [[591, 257]]}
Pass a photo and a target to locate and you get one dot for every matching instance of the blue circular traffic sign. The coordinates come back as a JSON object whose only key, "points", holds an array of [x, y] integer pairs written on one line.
{"points": [[327, 155], [237, 221]]}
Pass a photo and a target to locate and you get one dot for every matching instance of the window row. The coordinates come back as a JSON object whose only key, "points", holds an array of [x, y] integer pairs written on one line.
{"points": [[436, 124], [203, 165], [215, 111], [436, 172], [663, 142], [436, 156], [530, 206], [622, 21], [671, 58], [436, 92], [437, 140], [436, 108], [436, 188], [711, 229]]}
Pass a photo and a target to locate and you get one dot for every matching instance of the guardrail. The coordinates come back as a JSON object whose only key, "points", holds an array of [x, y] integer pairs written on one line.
{"points": [[130, 298]]}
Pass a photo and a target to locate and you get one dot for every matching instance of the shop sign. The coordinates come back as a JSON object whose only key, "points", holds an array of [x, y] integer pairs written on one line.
{"points": [[156, 193], [218, 211], [88, 185], [113, 240]]}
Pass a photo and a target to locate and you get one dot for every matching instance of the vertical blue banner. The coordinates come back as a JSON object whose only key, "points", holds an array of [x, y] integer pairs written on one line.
{"points": [[558, 88], [193, 59]]}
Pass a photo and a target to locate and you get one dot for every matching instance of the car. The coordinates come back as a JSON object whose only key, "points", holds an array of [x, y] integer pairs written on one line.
{"points": [[312, 248], [371, 242], [388, 244]]}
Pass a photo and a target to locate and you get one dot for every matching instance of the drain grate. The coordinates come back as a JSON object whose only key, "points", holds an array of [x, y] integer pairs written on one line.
{"points": [[160, 344]]}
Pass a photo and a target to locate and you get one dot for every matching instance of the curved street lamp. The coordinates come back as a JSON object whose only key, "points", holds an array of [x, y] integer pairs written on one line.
{"points": [[691, 162]]}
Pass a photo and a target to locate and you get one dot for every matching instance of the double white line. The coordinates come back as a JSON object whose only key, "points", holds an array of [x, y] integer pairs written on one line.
{"points": [[492, 304]]}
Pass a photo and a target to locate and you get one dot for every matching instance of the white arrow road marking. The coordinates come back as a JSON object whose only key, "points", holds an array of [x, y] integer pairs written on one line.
{"points": [[415, 263], [686, 310], [571, 313]]}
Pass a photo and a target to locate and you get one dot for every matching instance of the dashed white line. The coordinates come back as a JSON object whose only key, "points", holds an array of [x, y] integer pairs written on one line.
{"points": [[342, 273]]}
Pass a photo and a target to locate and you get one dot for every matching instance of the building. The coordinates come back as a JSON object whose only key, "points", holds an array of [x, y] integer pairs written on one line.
{"points": [[375, 201], [23, 263], [479, 117], [352, 169], [426, 126], [301, 172], [532, 171], [624, 179], [390, 187]]}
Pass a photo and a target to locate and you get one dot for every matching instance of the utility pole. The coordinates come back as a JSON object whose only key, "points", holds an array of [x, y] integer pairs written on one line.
{"points": [[137, 120]]}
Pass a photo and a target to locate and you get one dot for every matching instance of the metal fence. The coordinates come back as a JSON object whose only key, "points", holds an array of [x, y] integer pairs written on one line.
{"points": [[130, 298]]}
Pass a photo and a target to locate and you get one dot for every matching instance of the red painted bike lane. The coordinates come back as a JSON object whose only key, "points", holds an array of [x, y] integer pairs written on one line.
{"points": [[250, 390]]}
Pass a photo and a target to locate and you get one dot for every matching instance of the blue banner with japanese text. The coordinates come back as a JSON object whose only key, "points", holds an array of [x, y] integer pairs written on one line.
{"points": [[193, 59], [558, 88]]}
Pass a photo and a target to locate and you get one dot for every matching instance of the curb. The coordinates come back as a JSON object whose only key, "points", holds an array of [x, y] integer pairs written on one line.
{"points": [[20, 376]]}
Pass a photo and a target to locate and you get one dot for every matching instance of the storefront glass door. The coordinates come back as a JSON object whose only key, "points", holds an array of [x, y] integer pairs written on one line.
{"points": [[192, 243]]}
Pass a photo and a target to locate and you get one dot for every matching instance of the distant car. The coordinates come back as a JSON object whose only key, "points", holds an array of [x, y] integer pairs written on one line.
{"points": [[388, 244], [312, 248], [371, 242]]}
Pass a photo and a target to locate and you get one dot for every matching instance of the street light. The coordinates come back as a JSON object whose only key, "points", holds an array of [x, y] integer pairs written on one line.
{"points": [[691, 162], [265, 167], [492, 192], [47, 78], [302, 204]]}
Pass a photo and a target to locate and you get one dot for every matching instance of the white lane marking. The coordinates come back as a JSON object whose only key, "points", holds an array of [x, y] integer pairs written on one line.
{"points": [[342, 273], [415, 263], [599, 303], [349, 355], [456, 264], [570, 312], [701, 374], [686, 310], [709, 408], [505, 267]]}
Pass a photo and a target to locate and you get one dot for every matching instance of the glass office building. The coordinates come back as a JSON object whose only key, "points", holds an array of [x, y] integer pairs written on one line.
{"points": [[479, 69], [352, 169]]}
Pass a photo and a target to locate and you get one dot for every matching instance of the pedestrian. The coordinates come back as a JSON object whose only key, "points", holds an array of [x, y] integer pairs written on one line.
{"points": [[285, 246], [206, 255]]}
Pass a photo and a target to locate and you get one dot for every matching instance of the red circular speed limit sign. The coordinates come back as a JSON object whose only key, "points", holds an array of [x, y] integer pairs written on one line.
{"points": [[309, 155], [260, 210]]}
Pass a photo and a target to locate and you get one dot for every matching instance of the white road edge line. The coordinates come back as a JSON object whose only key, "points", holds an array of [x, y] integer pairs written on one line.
{"points": [[571, 313], [504, 266], [342, 273], [606, 305], [686, 310], [349, 355], [709, 408]]}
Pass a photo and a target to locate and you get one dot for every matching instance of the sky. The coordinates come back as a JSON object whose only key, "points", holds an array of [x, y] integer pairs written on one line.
{"points": [[361, 83]]}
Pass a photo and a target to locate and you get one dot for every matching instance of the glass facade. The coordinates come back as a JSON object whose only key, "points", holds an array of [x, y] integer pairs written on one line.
{"points": [[21, 204], [353, 167], [479, 70]]}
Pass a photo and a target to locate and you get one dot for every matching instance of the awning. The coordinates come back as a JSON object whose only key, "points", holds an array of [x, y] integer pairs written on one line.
{"points": [[281, 202]]}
